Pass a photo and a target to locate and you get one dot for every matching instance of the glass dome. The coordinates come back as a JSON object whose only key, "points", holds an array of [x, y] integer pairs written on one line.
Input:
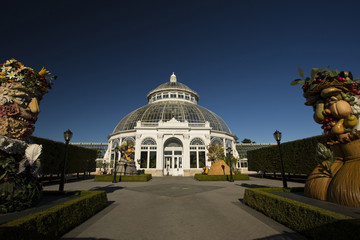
{"points": [[166, 110], [172, 100]]}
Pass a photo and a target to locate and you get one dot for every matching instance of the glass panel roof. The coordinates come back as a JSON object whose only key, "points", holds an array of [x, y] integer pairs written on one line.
{"points": [[165, 111]]}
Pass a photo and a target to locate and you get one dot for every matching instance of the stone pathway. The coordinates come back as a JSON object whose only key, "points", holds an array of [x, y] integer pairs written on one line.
{"points": [[178, 208]]}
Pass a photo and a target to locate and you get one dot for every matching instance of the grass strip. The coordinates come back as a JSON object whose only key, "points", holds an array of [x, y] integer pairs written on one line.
{"points": [[133, 178]]}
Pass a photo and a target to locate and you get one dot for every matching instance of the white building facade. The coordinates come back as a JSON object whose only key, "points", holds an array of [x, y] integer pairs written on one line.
{"points": [[171, 133]]}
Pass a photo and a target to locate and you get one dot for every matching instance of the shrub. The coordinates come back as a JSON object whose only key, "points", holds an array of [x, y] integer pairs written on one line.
{"points": [[80, 159], [298, 156], [308, 220], [236, 177], [55, 221], [130, 178]]}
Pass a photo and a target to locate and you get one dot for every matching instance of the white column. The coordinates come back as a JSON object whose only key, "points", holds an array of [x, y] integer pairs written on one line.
{"points": [[160, 152]]}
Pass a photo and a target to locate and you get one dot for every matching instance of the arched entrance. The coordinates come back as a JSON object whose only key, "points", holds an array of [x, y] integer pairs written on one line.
{"points": [[173, 157]]}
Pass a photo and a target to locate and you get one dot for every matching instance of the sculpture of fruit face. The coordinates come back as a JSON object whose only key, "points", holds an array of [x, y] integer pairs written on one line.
{"points": [[18, 110], [21, 89], [335, 97]]}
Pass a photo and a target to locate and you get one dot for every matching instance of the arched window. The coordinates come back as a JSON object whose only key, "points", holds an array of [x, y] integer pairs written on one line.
{"points": [[148, 141], [217, 141], [148, 153], [197, 141], [228, 143], [115, 143], [197, 153], [128, 139]]}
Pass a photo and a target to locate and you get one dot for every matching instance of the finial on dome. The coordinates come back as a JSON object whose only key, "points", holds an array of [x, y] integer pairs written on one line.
{"points": [[173, 78]]}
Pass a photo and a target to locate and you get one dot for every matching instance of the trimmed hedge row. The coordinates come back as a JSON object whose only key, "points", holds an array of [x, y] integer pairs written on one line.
{"points": [[79, 160], [236, 177], [298, 156], [55, 221], [311, 221], [134, 178]]}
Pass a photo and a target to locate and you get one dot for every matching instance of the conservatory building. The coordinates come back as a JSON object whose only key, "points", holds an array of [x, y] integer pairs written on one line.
{"points": [[171, 133]]}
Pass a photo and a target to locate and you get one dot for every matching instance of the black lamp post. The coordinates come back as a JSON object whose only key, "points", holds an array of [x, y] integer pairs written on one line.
{"points": [[229, 151], [67, 136], [115, 164], [277, 136]]}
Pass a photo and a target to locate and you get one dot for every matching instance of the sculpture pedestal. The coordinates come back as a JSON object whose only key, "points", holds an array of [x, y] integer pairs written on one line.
{"points": [[126, 167]]}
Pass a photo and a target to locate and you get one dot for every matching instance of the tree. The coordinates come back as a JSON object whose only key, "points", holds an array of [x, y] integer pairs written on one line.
{"points": [[215, 153], [246, 140]]}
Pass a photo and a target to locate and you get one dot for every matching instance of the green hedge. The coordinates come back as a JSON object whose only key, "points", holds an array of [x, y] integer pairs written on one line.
{"points": [[236, 177], [55, 221], [298, 156], [79, 160], [134, 178], [311, 221]]}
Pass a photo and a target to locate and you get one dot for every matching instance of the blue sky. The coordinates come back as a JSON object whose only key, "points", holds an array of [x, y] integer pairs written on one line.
{"points": [[239, 56]]}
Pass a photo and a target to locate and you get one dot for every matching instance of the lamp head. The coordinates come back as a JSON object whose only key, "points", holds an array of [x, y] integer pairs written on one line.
{"points": [[68, 135], [229, 150], [277, 135]]}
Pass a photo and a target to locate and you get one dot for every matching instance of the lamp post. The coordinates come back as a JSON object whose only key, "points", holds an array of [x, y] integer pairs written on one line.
{"points": [[277, 136], [115, 164], [67, 136], [229, 151]]}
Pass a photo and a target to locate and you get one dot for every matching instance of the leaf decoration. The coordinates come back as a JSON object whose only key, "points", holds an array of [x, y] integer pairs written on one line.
{"points": [[350, 75], [22, 165], [33, 152], [301, 72], [314, 71], [297, 81], [334, 73]]}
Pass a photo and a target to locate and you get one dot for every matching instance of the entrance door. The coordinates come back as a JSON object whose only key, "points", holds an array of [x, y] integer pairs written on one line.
{"points": [[173, 165], [168, 165], [173, 158]]}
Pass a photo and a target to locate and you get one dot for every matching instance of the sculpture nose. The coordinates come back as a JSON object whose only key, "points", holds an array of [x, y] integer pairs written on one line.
{"points": [[34, 106]]}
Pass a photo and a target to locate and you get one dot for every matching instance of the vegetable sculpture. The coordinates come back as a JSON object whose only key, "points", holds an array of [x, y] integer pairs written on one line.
{"points": [[335, 98], [21, 89]]}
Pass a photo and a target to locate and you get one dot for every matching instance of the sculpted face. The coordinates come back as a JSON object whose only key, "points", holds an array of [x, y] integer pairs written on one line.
{"points": [[19, 108]]}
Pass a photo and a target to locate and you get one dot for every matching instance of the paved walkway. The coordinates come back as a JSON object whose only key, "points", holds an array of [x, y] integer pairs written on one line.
{"points": [[177, 208]]}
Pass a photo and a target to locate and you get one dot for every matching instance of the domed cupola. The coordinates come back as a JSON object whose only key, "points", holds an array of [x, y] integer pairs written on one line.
{"points": [[173, 90], [172, 100]]}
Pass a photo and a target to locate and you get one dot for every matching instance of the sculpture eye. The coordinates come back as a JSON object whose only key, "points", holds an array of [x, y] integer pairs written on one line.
{"points": [[24, 101]]}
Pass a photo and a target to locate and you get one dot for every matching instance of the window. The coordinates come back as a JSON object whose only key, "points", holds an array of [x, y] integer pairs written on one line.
{"points": [[197, 153], [173, 95], [244, 163], [143, 159], [148, 153], [187, 97], [152, 159], [166, 95], [158, 96], [180, 95], [192, 159]]}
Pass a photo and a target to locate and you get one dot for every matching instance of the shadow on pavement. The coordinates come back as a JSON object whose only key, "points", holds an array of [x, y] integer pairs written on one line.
{"points": [[284, 236], [87, 238], [251, 185], [107, 189]]}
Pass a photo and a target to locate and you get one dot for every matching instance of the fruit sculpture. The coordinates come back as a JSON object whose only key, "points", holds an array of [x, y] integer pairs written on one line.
{"points": [[335, 98], [127, 151], [21, 89]]}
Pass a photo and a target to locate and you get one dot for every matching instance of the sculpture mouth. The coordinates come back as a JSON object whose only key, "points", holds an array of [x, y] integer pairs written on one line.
{"points": [[27, 121]]}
